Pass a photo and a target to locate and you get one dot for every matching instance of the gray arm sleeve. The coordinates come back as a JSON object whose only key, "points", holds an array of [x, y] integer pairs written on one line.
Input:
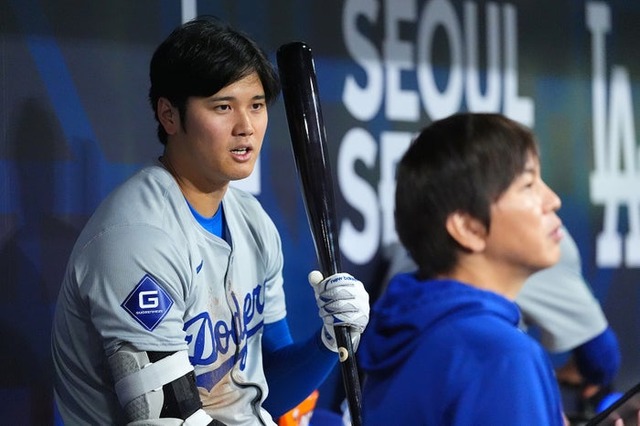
{"points": [[559, 301]]}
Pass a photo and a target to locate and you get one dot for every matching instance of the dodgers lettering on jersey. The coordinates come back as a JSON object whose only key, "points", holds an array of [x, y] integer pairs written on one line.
{"points": [[148, 304], [208, 341]]}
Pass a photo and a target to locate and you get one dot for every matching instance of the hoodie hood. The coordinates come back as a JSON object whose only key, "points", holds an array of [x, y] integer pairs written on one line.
{"points": [[409, 308]]}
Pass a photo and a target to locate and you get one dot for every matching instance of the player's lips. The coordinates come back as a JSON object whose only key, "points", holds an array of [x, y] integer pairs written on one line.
{"points": [[242, 152], [557, 232]]}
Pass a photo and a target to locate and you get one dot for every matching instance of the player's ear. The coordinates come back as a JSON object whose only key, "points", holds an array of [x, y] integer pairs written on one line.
{"points": [[468, 231], [168, 116]]}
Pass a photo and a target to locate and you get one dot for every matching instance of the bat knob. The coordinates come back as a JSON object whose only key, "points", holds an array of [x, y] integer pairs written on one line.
{"points": [[315, 277], [343, 354]]}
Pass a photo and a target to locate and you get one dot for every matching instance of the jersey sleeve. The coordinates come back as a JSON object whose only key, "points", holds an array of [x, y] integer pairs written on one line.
{"points": [[275, 308], [134, 282], [560, 303]]}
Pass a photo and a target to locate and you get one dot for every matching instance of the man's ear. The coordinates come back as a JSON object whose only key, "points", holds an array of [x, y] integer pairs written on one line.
{"points": [[168, 116], [468, 231]]}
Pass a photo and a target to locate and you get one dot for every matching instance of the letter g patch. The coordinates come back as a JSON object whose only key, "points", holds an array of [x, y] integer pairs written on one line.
{"points": [[148, 303]]}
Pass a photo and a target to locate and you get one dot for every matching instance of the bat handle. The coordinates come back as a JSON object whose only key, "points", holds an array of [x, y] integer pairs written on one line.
{"points": [[349, 373]]}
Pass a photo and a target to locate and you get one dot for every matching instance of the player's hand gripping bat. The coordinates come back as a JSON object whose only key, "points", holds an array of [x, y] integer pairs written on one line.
{"points": [[308, 138]]}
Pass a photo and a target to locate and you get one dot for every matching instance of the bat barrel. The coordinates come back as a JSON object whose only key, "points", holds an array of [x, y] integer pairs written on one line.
{"points": [[308, 137]]}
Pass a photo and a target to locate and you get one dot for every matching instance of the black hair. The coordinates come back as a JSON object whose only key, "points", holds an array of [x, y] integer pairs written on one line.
{"points": [[201, 57], [461, 163]]}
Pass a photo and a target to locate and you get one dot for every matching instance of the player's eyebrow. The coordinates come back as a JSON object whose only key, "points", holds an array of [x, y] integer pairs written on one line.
{"points": [[215, 98]]}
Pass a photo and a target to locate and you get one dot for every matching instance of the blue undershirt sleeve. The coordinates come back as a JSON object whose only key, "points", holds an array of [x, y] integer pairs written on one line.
{"points": [[293, 370], [598, 360]]}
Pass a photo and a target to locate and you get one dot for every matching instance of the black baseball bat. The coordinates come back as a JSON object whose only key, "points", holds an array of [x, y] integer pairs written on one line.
{"points": [[309, 142]]}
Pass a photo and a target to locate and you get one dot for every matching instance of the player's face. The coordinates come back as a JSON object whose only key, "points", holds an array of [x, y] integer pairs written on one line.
{"points": [[525, 230], [223, 133]]}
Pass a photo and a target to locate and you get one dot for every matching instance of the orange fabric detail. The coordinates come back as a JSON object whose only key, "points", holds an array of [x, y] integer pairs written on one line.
{"points": [[301, 414]]}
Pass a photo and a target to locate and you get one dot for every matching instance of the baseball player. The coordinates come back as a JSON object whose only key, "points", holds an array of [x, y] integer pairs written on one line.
{"points": [[172, 309]]}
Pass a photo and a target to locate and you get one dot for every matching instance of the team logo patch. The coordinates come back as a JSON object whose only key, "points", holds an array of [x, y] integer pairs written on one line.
{"points": [[148, 303]]}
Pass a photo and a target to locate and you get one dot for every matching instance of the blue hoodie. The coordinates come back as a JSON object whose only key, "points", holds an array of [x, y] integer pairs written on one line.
{"points": [[441, 352]]}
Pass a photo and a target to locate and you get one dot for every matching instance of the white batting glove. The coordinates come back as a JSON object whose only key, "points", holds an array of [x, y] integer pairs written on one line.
{"points": [[342, 301]]}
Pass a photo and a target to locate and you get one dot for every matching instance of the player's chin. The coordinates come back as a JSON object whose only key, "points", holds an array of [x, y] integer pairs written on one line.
{"points": [[243, 171], [551, 255]]}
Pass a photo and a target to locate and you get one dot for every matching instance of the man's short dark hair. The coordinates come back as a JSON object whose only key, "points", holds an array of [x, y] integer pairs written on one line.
{"points": [[462, 163], [200, 58]]}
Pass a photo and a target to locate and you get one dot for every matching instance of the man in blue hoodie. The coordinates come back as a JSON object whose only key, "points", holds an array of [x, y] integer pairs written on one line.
{"points": [[443, 345]]}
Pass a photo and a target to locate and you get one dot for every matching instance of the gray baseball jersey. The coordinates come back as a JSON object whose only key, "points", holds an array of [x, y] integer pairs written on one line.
{"points": [[557, 299], [143, 271], [560, 303]]}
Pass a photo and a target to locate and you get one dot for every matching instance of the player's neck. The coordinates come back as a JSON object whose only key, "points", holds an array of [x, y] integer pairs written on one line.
{"points": [[205, 201], [499, 278]]}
